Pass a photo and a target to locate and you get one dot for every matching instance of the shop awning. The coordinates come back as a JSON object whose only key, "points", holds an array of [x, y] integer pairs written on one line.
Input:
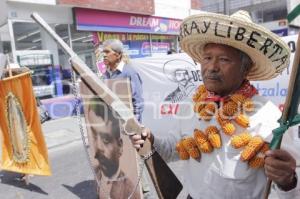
{"points": [[105, 21]]}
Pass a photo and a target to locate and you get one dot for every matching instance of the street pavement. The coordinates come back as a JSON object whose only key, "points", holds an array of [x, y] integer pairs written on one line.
{"points": [[72, 176]]}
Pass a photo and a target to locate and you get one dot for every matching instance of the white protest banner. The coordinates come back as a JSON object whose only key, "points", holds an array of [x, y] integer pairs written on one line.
{"points": [[167, 81]]}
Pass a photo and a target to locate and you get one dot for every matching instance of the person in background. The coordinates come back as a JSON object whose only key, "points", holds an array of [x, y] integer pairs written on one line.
{"points": [[118, 66]]}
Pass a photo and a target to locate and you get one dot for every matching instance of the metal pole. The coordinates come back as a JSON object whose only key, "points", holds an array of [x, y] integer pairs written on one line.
{"points": [[12, 40]]}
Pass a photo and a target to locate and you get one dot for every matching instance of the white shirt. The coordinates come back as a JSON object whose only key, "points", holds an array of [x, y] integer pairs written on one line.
{"points": [[119, 68], [221, 174]]}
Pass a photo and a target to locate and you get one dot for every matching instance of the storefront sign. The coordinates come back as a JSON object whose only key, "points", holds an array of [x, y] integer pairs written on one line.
{"points": [[96, 20]]}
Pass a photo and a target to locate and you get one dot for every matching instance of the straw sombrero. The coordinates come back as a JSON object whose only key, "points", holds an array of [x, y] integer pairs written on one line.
{"points": [[268, 52]]}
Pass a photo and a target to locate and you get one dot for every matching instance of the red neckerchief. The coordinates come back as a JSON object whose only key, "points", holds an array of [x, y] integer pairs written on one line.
{"points": [[246, 89]]}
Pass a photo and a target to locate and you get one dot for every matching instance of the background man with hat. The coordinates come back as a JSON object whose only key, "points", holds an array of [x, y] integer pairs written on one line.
{"points": [[224, 131]]}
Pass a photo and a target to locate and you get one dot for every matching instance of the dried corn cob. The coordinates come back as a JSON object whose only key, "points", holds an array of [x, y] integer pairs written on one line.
{"points": [[201, 89], [214, 137], [256, 162], [265, 148], [222, 119], [252, 148], [202, 141], [198, 107], [238, 98], [204, 115], [203, 96], [210, 108], [242, 120], [183, 154], [228, 128], [259, 160], [211, 130], [230, 108], [215, 140], [191, 147], [248, 105], [238, 141], [196, 96]]}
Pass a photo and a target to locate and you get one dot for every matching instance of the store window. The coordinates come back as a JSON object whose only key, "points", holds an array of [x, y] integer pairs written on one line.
{"points": [[39, 53], [64, 68], [6, 47], [83, 46], [163, 44], [27, 36], [138, 45]]}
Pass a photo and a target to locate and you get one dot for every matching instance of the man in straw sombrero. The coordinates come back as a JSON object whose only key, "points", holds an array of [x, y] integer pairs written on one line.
{"points": [[224, 132]]}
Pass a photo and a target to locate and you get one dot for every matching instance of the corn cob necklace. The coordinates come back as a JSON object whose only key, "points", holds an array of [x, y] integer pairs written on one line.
{"points": [[226, 110]]}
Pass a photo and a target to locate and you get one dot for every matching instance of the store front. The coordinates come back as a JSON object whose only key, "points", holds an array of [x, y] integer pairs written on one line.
{"points": [[32, 47], [142, 35]]}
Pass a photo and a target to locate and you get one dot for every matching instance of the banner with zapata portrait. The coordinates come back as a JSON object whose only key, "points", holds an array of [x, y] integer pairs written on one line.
{"points": [[23, 145], [113, 158]]}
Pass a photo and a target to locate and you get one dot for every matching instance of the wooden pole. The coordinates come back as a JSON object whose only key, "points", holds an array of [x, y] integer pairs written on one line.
{"points": [[289, 111]]}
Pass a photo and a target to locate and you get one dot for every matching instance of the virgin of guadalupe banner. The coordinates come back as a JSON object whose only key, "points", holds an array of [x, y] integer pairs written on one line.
{"points": [[113, 158], [23, 147]]}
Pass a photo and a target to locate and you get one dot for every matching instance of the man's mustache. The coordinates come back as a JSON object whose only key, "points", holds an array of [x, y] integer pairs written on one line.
{"points": [[211, 75], [102, 159]]}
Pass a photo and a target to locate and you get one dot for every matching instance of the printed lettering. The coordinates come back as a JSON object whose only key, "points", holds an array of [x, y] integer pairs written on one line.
{"points": [[272, 91], [252, 40], [196, 75], [165, 109], [229, 29], [277, 47], [186, 32], [132, 21], [206, 26], [267, 44], [169, 109], [239, 36], [283, 92], [292, 46], [282, 60], [216, 30], [194, 26]]}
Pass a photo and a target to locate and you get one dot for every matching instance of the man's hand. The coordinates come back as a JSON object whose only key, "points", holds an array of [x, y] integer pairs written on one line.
{"points": [[138, 140], [280, 167]]}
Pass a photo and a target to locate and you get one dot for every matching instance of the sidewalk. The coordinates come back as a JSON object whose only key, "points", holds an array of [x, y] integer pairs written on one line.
{"points": [[62, 131]]}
